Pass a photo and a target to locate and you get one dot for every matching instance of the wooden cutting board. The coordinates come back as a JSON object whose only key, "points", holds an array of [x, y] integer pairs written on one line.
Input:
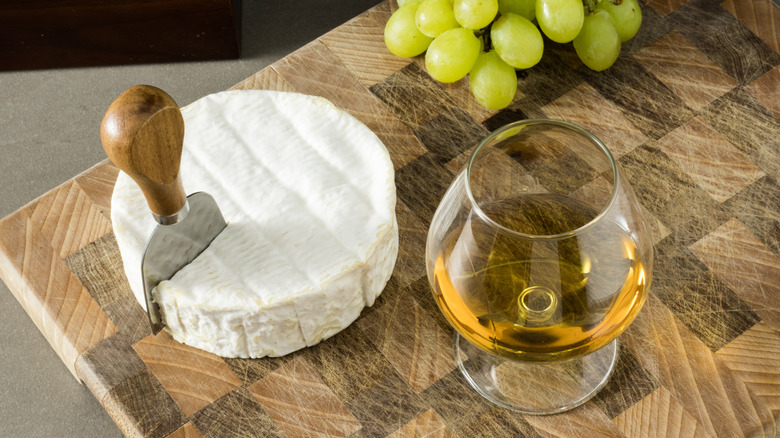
{"points": [[691, 110]]}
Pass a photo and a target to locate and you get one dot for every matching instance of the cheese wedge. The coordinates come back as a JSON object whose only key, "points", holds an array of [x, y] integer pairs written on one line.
{"points": [[309, 196]]}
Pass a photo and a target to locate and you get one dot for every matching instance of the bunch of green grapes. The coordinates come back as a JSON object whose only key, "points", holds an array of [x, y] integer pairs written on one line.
{"points": [[489, 39]]}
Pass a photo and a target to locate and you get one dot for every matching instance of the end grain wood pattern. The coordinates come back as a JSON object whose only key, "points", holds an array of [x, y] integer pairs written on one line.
{"points": [[690, 110]]}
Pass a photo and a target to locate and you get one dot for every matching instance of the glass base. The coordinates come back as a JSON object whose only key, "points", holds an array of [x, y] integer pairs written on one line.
{"points": [[536, 388]]}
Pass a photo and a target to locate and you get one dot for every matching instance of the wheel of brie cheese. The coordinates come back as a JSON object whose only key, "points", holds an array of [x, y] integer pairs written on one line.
{"points": [[309, 196]]}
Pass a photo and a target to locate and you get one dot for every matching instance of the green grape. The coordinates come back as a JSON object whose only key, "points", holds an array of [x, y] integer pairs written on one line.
{"points": [[627, 15], [452, 54], [402, 37], [434, 17], [401, 3], [517, 41], [598, 44], [475, 14], [560, 20], [526, 8], [493, 82]]}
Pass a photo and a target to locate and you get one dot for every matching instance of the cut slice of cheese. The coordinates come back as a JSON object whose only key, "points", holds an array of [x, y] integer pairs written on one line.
{"points": [[309, 196]]}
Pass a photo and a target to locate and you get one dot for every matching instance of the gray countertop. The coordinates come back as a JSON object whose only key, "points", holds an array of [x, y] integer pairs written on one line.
{"points": [[49, 133]]}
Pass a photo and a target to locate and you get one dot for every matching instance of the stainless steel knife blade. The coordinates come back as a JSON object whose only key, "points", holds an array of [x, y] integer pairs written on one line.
{"points": [[175, 245]]}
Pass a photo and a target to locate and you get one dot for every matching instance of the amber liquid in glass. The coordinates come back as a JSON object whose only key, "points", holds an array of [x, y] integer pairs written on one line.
{"points": [[539, 299]]}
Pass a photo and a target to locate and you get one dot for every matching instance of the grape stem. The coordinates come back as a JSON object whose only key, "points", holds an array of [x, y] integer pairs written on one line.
{"points": [[485, 34], [590, 5]]}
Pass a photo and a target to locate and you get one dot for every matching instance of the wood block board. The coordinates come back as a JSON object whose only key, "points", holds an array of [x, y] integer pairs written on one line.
{"points": [[691, 117]]}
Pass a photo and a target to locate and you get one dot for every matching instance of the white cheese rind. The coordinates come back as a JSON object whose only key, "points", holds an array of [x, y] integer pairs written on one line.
{"points": [[309, 196]]}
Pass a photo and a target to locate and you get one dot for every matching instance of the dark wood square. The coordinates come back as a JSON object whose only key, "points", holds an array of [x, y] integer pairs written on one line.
{"points": [[630, 382], [757, 206], [450, 134], [692, 215], [554, 166], [98, 266], [115, 358], [698, 19], [645, 101], [653, 27], [772, 239], [386, 406], [412, 95], [421, 185], [412, 236], [759, 128], [498, 422], [740, 53], [710, 309], [130, 319], [421, 291], [767, 158], [455, 401], [236, 414], [250, 371], [504, 117], [548, 80], [656, 180], [674, 266], [349, 363], [391, 290], [141, 404]]}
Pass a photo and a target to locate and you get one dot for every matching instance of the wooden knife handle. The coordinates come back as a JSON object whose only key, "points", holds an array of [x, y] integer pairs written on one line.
{"points": [[142, 134]]}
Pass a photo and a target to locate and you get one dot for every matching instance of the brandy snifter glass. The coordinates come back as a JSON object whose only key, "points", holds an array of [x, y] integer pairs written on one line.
{"points": [[539, 258]]}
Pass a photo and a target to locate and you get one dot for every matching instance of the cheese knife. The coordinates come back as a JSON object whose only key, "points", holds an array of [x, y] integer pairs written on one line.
{"points": [[143, 133]]}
